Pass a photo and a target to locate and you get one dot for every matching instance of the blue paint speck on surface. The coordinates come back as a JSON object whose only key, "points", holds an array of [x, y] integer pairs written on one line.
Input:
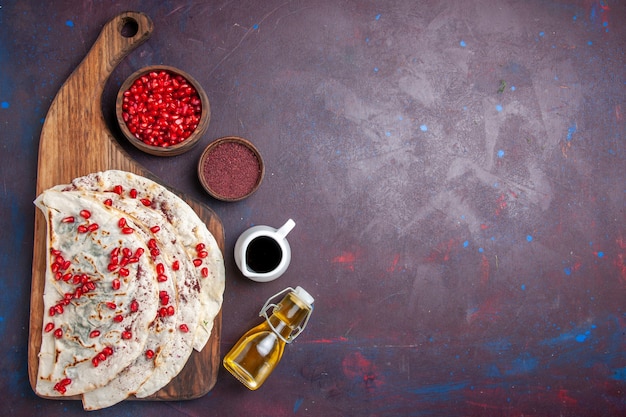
{"points": [[378, 17], [463, 44], [69, 23], [589, 43], [375, 69], [424, 128], [500, 153], [481, 250], [255, 26], [513, 88], [542, 34], [297, 405], [465, 244], [582, 337], [523, 287], [387, 133], [568, 271], [529, 238], [619, 374], [570, 132], [499, 107], [600, 254], [5, 105]]}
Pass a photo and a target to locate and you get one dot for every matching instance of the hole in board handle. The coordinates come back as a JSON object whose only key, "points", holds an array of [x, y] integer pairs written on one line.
{"points": [[129, 28]]}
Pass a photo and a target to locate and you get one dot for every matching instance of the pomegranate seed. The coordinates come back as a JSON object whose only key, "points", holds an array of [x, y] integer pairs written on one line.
{"points": [[55, 252], [165, 300], [78, 293], [197, 262], [155, 229], [205, 272], [146, 202], [66, 265], [58, 308], [108, 350], [133, 260], [134, 306], [155, 252], [118, 319], [68, 219], [94, 333], [126, 335], [152, 244], [92, 227], [163, 312], [111, 305], [170, 310], [200, 246], [161, 278], [115, 252], [118, 189], [52, 311], [139, 252], [176, 266], [60, 388], [128, 230], [121, 223], [203, 254], [91, 285], [127, 252], [149, 354], [95, 362], [133, 193], [101, 356], [116, 284], [49, 327], [82, 229], [124, 272], [108, 202], [85, 214], [160, 268], [58, 333], [65, 382], [183, 328], [124, 262]]}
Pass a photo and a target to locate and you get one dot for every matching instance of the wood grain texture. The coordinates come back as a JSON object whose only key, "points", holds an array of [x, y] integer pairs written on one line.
{"points": [[75, 141]]}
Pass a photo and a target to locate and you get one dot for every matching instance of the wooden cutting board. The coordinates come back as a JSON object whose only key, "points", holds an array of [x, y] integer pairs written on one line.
{"points": [[75, 141]]}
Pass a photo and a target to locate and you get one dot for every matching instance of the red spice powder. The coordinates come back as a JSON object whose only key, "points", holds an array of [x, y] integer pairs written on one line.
{"points": [[231, 170]]}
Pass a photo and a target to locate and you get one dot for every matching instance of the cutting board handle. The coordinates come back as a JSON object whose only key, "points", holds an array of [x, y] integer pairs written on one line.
{"points": [[118, 37], [75, 115]]}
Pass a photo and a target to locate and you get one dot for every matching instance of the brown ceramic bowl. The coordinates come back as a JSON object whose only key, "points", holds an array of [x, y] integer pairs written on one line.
{"points": [[231, 168], [160, 118]]}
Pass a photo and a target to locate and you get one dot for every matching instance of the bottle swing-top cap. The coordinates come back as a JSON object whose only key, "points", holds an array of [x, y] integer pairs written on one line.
{"points": [[303, 296]]}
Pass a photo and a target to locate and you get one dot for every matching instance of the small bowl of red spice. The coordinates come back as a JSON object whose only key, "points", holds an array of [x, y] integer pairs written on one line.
{"points": [[162, 110], [231, 168]]}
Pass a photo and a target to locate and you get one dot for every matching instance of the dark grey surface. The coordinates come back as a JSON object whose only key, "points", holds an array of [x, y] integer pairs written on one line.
{"points": [[455, 169]]}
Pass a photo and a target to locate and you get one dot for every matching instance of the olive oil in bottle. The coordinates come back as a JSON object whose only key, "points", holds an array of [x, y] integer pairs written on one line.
{"points": [[258, 351]]}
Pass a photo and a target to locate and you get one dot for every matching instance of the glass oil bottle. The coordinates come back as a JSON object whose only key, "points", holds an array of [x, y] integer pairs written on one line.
{"points": [[258, 351]]}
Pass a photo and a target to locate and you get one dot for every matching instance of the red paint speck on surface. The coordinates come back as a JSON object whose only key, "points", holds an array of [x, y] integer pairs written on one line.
{"points": [[347, 259], [484, 270], [394, 263], [442, 252], [357, 366]]}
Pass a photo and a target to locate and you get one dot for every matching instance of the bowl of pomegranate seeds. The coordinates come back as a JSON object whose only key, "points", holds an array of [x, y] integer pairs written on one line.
{"points": [[231, 168], [162, 110]]}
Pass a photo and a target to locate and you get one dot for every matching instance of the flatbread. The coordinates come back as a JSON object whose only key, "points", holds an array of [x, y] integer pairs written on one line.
{"points": [[180, 248]]}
